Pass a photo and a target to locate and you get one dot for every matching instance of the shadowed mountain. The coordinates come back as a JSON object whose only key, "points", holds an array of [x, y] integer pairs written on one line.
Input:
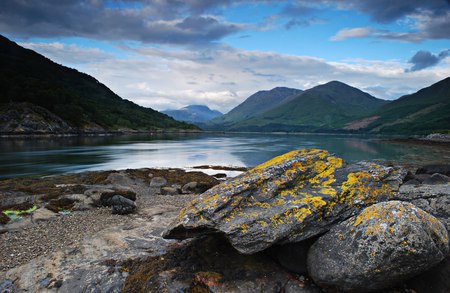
{"points": [[69, 100], [193, 114], [252, 106]]}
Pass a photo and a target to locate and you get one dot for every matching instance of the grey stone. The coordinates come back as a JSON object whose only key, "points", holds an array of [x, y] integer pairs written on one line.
{"points": [[158, 182], [169, 191], [122, 206], [386, 243], [288, 199], [43, 214], [189, 187]]}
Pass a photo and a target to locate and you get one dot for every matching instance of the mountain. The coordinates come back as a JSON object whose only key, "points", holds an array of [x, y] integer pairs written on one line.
{"points": [[193, 113], [69, 100], [423, 112], [326, 107], [252, 106]]}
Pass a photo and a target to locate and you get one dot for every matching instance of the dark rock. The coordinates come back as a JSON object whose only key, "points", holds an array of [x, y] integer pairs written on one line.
{"points": [[122, 206], [210, 265], [220, 175], [412, 182], [435, 168], [4, 219], [436, 280], [106, 196], [421, 177], [291, 198], [292, 256], [386, 243], [436, 178], [60, 204], [158, 182]]}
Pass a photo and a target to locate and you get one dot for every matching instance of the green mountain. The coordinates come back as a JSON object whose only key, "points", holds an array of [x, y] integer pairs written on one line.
{"points": [[326, 107], [423, 112], [72, 98], [193, 113], [252, 106]]}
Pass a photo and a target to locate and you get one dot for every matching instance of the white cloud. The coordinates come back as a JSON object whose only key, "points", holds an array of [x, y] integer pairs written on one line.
{"points": [[222, 77], [348, 33]]}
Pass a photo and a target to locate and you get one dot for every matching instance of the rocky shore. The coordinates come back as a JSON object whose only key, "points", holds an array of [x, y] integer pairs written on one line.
{"points": [[303, 222]]}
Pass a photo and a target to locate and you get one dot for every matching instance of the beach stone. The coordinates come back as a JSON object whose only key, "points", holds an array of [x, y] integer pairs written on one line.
{"points": [[386, 243], [158, 182], [291, 256], [122, 205], [220, 175], [7, 286], [288, 199]]}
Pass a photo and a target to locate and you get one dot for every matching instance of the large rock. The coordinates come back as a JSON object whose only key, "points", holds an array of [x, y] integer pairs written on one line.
{"points": [[290, 198], [385, 244]]}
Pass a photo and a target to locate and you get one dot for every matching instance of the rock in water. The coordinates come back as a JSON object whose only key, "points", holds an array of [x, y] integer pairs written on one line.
{"points": [[386, 243], [290, 198]]}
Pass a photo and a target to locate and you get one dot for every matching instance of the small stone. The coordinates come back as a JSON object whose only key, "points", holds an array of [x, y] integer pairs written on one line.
{"points": [[122, 206]]}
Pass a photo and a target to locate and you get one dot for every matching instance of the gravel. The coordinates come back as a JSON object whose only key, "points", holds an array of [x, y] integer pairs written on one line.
{"points": [[21, 246]]}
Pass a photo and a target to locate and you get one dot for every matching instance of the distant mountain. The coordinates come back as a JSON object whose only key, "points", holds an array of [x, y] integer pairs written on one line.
{"points": [[423, 112], [193, 113], [326, 107], [60, 99], [252, 106]]}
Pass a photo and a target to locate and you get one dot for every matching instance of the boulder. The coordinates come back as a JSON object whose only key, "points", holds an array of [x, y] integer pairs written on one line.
{"points": [[106, 196], [170, 190], [43, 214], [122, 205], [437, 178], [386, 243], [189, 187], [288, 199]]}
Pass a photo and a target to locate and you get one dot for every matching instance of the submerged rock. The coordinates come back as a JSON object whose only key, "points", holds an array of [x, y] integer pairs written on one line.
{"points": [[385, 244], [290, 198]]}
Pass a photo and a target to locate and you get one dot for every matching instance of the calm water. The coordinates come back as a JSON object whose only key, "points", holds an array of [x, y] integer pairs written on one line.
{"points": [[24, 157]]}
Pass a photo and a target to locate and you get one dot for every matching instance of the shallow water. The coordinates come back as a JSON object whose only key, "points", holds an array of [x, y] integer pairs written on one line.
{"points": [[51, 156]]}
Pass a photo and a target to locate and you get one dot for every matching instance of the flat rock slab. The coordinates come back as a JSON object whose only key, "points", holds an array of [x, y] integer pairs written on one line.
{"points": [[288, 199]]}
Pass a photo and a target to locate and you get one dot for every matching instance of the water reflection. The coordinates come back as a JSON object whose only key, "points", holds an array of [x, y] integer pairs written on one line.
{"points": [[46, 156]]}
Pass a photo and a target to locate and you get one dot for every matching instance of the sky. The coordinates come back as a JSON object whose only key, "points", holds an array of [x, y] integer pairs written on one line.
{"points": [[167, 54]]}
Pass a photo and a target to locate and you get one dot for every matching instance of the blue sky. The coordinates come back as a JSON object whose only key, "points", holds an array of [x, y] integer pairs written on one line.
{"points": [[171, 53]]}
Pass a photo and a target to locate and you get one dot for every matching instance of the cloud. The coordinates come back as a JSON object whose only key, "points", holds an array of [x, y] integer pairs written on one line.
{"points": [[152, 21], [347, 33], [429, 19], [425, 59], [161, 79]]}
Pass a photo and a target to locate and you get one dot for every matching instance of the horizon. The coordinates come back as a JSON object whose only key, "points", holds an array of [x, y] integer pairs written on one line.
{"points": [[168, 55]]}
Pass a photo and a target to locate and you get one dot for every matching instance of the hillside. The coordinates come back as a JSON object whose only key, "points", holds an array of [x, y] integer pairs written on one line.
{"points": [[326, 107], [423, 112], [193, 114], [77, 101], [252, 106]]}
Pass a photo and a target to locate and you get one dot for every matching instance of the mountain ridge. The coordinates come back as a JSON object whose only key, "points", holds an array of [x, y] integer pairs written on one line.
{"points": [[80, 100], [193, 113]]}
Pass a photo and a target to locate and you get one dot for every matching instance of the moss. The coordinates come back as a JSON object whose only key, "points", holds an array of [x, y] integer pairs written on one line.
{"points": [[13, 214], [60, 204]]}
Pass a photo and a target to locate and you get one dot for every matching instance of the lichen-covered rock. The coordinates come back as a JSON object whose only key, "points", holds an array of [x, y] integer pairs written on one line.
{"points": [[386, 243], [290, 198]]}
